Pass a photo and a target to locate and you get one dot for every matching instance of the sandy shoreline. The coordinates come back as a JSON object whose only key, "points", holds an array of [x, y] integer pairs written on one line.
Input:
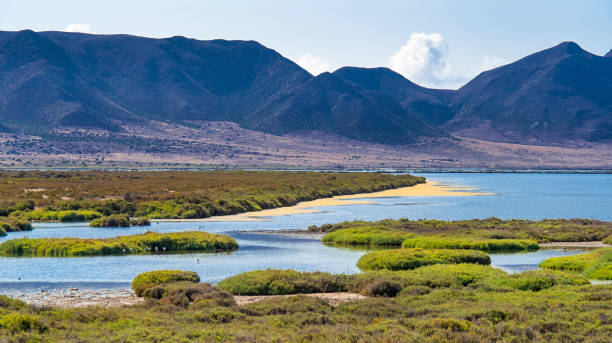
{"points": [[429, 189]]}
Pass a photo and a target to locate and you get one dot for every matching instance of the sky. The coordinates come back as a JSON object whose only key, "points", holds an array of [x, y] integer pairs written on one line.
{"points": [[435, 43]]}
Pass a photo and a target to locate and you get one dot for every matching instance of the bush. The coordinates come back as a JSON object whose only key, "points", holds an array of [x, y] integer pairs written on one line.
{"points": [[433, 276], [147, 280], [184, 293], [140, 221], [13, 224], [595, 264], [16, 322], [537, 280], [77, 216], [608, 240], [402, 259], [366, 236], [276, 282], [149, 242], [475, 244]]}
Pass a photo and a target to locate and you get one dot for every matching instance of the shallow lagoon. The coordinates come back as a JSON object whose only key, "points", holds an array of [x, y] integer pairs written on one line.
{"points": [[530, 196]]}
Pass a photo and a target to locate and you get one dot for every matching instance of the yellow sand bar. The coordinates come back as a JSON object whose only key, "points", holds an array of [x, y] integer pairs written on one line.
{"points": [[434, 189]]}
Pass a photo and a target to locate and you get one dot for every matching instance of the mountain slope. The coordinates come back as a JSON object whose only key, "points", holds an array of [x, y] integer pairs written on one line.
{"points": [[431, 105], [102, 80], [609, 54], [106, 81], [550, 97], [330, 104]]}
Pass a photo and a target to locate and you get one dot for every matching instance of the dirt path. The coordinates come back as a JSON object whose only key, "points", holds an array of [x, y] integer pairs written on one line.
{"points": [[594, 244], [333, 299]]}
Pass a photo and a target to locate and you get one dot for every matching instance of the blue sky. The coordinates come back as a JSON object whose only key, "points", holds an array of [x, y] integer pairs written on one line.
{"points": [[434, 43]]}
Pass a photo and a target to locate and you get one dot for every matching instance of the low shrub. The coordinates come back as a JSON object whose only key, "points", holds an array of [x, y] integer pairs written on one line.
{"points": [[537, 280], [366, 236], [17, 322], [14, 224], [402, 259], [147, 280], [433, 276], [276, 282], [149, 242], [608, 240], [437, 242], [185, 293], [119, 220], [77, 216], [596, 264], [140, 221]]}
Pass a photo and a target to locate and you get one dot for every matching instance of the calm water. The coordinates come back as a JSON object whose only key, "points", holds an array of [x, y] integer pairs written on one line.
{"points": [[529, 196]]}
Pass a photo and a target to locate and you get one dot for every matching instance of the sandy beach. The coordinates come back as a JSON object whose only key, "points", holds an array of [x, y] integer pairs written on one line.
{"points": [[429, 189]]}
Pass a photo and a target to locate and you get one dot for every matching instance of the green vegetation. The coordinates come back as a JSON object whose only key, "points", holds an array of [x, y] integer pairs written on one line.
{"points": [[11, 224], [119, 220], [42, 195], [437, 303], [608, 240], [596, 264], [144, 281], [62, 216], [376, 236], [275, 282], [541, 231], [149, 242], [464, 243], [402, 259]]}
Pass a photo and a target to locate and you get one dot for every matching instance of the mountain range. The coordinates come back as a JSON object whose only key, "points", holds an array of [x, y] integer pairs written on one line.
{"points": [[71, 81]]}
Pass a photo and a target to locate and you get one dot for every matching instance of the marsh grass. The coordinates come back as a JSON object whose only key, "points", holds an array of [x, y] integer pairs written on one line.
{"points": [[177, 194], [596, 264], [439, 242], [150, 242], [404, 259], [144, 281]]}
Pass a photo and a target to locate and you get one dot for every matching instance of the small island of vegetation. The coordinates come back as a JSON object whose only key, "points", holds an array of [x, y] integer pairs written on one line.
{"points": [[150, 242]]}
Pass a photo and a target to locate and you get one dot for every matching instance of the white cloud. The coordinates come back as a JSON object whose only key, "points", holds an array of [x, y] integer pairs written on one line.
{"points": [[423, 59], [491, 62], [313, 64], [78, 27]]}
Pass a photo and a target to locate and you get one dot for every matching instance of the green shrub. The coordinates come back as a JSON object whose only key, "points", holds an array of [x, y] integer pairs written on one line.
{"points": [[433, 276], [137, 244], [184, 293], [14, 224], [147, 280], [140, 221], [16, 322], [402, 259], [276, 282], [366, 236], [537, 280], [475, 244], [608, 240], [77, 216], [595, 264]]}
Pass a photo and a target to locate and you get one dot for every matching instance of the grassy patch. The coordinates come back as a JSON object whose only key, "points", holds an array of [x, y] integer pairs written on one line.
{"points": [[12, 224], [375, 236], [149, 242], [596, 264], [547, 230], [466, 243], [176, 194], [403, 259], [185, 293], [119, 220], [144, 281], [275, 282]]}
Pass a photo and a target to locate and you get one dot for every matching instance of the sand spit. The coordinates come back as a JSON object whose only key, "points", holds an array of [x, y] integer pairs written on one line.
{"points": [[73, 297], [429, 189], [594, 244], [333, 299]]}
